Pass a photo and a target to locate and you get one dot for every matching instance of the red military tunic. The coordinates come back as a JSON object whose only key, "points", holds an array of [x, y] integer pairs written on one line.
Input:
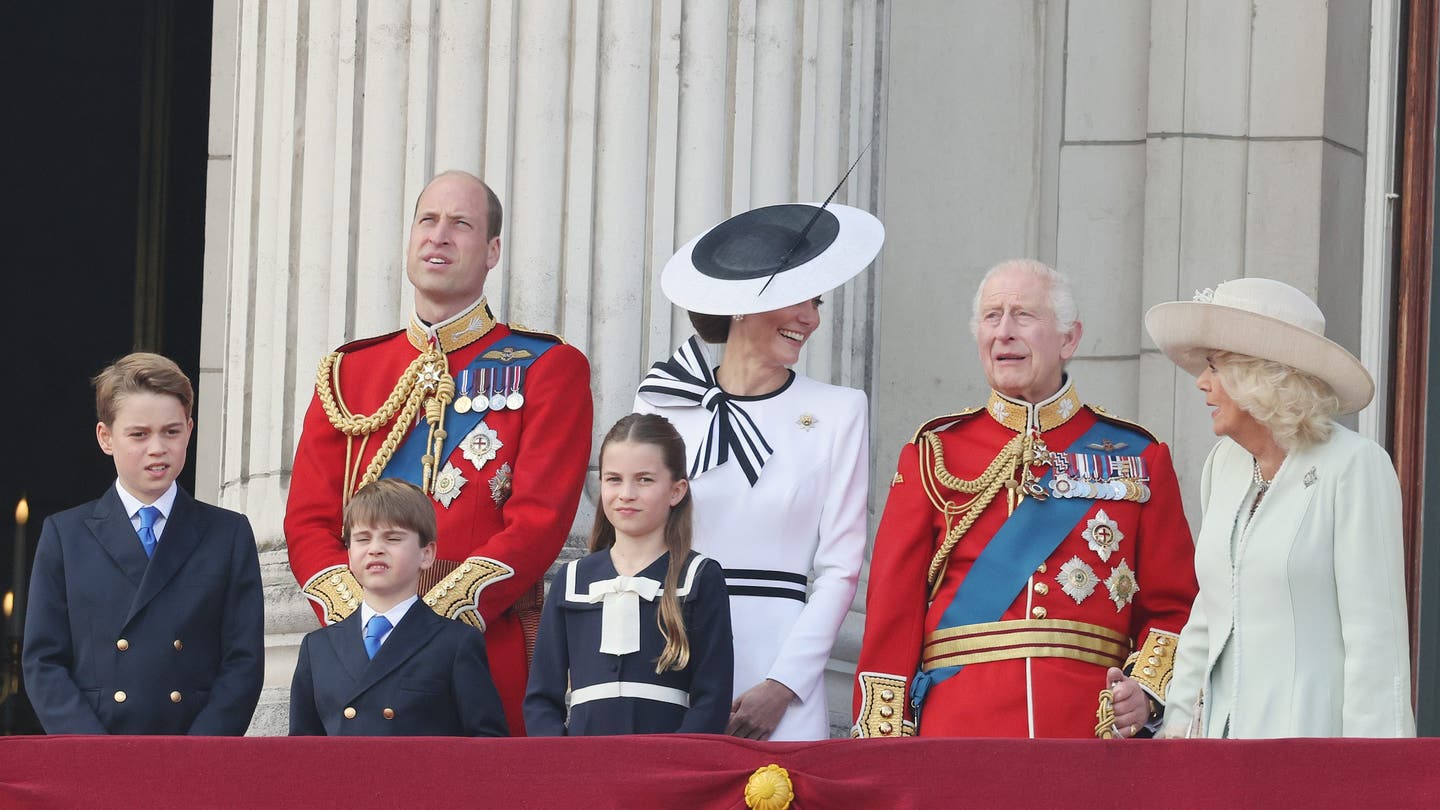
{"points": [[1038, 671], [502, 520]]}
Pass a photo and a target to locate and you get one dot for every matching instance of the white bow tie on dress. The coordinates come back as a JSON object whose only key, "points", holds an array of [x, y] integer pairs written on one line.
{"points": [[619, 600]]}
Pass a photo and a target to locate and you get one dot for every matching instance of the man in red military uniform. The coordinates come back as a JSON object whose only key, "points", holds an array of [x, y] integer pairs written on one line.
{"points": [[1024, 551], [493, 423]]}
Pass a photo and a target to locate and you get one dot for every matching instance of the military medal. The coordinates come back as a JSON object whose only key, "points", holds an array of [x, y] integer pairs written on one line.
{"points": [[481, 401], [462, 382], [481, 445], [1122, 585], [515, 400], [1077, 579], [497, 397], [500, 485], [448, 484], [1103, 535]]}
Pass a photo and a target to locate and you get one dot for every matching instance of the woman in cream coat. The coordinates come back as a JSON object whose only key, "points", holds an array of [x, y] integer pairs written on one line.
{"points": [[1299, 629]]}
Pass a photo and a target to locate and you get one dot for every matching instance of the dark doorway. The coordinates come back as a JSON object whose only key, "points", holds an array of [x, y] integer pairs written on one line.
{"points": [[104, 176]]}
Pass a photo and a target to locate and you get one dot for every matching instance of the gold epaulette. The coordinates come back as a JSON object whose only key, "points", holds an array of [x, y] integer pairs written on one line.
{"points": [[1110, 417], [457, 596], [1153, 663], [336, 591], [540, 333], [943, 421], [882, 707]]}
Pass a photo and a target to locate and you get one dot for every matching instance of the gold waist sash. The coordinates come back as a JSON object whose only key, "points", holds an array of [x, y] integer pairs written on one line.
{"points": [[1024, 638]]}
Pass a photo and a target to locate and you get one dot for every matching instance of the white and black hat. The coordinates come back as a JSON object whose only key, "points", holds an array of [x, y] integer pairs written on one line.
{"points": [[772, 257]]}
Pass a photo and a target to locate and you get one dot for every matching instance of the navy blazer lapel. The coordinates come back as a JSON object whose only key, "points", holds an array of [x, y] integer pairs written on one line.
{"points": [[347, 639], [183, 530], [413, 632], [112, 529]]}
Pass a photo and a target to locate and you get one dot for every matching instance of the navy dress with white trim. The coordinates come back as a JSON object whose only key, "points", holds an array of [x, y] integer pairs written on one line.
{"points": [[591, 607]]}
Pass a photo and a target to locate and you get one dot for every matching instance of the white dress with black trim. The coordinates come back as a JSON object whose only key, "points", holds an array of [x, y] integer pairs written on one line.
{"points": [[803, 521], [591, 609]]}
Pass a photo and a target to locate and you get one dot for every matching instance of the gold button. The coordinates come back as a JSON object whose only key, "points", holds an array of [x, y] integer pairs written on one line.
{"points": [[1159, 650], [886, 711], [335, 579], [1041, 569], [886, 728], [1162, 641], [389, 713], [179, 645], [1039, 612], [887, 695], [122, 645], [1153, 661], [1041, 588], [349, 712], [1148, 670], [174, 697], [119, 697]]}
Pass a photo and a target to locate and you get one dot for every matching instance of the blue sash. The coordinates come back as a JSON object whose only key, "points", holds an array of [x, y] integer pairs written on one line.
{"points": [[406, 463], [1027, 539]]}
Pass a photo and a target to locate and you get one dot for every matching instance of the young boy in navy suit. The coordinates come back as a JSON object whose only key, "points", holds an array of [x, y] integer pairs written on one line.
{"points": [[393, 667], [146, 614]]}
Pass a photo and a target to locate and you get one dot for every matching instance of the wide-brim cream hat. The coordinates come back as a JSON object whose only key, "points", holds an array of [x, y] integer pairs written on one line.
{"points": [[772, 257], [1263, 318]]}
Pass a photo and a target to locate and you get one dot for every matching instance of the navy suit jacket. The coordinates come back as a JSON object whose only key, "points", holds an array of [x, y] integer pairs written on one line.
{"points": [[429, 678], [121, 644]]}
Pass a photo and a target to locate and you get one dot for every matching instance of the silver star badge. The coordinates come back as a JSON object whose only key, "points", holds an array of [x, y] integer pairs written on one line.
{"points": [[481, 445], [1103, 535], [1122, 585], [1077, 579], [448, 484]]}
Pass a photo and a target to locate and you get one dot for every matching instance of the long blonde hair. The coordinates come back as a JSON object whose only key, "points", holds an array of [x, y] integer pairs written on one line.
{"points": [[645, 428]]}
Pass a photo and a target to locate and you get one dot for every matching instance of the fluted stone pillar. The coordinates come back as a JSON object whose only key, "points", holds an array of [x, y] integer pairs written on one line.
{"points": [[1256, 157], [612, 132]]}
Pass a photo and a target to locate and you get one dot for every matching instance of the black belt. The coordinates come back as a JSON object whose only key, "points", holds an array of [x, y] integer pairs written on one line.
{"points": [[786, 587]]}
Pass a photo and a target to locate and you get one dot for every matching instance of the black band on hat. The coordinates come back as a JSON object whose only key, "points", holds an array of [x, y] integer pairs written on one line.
{"points": [[755, 243]]}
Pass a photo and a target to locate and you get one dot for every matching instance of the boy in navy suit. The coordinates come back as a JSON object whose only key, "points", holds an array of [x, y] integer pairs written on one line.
{"points": [[388, 669], [146, 614]]}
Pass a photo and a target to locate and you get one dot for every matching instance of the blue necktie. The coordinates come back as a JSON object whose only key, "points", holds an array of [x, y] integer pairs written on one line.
{"points": [[148, 516], [375, 629]]}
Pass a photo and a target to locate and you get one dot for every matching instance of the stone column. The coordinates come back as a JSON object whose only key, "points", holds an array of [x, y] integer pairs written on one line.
{"points": [[1256, 157], [611, 132]]}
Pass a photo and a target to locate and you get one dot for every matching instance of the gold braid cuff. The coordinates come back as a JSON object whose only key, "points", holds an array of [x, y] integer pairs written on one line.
{"points": [[1153, 663], [457, 596], [336, 591], [882, 707], [425, 384]]}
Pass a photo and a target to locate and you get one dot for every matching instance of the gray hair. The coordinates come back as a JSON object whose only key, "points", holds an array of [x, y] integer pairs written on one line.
{"points": [[1062, 300]]}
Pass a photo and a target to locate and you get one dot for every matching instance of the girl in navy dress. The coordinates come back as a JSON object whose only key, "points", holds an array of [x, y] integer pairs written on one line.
{"points": [[638, 631]]}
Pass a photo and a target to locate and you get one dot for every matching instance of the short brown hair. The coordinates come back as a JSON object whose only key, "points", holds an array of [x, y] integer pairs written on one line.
{"points": [[494, 212], [137, 373], [711, 328], [393, 503]]}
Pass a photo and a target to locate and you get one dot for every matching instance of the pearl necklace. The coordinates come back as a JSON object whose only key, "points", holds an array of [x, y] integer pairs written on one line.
{"points": [[1256, 477]]}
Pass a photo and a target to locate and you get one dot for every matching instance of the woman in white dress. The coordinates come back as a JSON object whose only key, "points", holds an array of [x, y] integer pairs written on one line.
{"points": [[1299, 629], [779, 462]]}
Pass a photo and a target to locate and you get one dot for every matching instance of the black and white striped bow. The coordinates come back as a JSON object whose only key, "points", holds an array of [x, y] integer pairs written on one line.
{"points": [[686, 380]]}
